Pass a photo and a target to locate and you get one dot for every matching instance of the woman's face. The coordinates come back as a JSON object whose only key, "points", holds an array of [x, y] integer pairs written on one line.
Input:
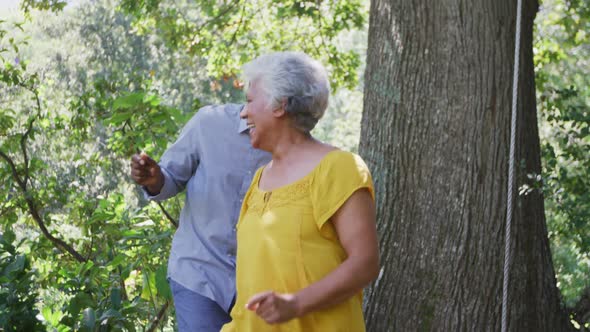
{"points": [[258, 113]]}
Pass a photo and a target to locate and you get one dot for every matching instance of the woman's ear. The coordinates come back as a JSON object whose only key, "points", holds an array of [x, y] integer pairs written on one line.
{"points": [[281, 110]]}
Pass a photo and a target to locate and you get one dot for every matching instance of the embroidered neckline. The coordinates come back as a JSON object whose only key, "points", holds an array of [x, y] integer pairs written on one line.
{"points": [[259, 202]]}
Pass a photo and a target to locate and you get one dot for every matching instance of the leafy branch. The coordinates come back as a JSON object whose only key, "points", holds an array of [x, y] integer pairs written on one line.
{"points": [[23, 181], [33, 210]]}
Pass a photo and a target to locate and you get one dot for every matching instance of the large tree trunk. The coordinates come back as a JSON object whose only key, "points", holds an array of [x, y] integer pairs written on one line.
{"points": [[435, 132]]}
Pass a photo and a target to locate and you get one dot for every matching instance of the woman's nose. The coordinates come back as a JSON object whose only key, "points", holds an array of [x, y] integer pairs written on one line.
{"points": [[244, 112]]}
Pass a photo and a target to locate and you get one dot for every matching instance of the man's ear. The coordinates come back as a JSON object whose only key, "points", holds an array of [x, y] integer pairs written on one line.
{"points": [[281, 110]]}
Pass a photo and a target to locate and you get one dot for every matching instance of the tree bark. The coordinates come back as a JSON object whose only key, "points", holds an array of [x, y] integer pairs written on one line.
{"points": [[436, 134]]}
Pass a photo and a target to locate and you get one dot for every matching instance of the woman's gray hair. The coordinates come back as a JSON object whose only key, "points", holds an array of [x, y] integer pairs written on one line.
{"points": [[294, 78]]}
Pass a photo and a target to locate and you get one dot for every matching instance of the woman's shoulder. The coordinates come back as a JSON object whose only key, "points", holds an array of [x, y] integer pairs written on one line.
{"points": [[343, 158], [340, 174], [338, 163]]}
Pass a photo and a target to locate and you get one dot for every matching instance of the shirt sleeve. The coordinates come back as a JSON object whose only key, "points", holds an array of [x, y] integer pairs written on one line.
{"points": [[334, 183], [181, 159]]}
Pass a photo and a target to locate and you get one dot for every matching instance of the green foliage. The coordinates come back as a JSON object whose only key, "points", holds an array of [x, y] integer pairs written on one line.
{"points": [[115, 247], [18, 296], [562, 59], [228, 34], [52, 5], [147, 120]]}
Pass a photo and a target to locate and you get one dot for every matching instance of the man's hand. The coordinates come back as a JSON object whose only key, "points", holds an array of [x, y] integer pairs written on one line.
{"points": [[274, 308], [146, 172]]}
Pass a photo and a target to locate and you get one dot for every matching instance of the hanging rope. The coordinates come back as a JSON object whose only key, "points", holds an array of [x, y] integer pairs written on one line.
{"points": [[512, 157]]}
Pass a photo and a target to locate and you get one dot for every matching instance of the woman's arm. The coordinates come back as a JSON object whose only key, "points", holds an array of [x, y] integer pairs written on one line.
{"points": [[355, 225]]}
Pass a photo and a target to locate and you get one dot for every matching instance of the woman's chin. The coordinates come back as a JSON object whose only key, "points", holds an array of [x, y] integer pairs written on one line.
{"points": [[254, 141]]}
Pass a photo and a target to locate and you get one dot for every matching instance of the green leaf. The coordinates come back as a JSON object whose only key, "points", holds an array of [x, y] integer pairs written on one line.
{"points": [[89, 318], [119, 117], [149, 289], [128, 101], [63, 328], [162, 284], [6, 245], [153, 100], [120, 258], [79, 301], [83, 268], [15, 267], [111, 313], [52, 317], [132, 234], [7, 120], [8, 236], [116, 298]]}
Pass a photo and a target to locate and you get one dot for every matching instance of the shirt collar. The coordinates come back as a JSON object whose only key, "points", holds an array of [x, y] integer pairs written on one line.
{"points": [[243, 126]]}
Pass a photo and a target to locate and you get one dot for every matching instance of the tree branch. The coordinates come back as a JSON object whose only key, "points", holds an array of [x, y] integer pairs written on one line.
{"points": [[196, 31], [235, 34], [60, 244], [57, 242], [23, 139], [13, 169], [213, 19], [168, 216], [90, 248], [158, 318]]}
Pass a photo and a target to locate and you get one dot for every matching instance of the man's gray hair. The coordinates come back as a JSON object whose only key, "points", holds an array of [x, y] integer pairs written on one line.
{"points": [[294, 78]]}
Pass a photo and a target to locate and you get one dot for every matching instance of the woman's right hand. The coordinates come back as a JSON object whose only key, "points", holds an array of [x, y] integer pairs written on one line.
{"points": [[274, 308], [146, 172]]}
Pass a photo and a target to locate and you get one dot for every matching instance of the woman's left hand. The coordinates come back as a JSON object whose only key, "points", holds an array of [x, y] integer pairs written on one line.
{"points": [[274, 308]]}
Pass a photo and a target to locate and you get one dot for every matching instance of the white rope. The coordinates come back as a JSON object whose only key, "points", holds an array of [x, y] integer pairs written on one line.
{"points": [[512, 157]]}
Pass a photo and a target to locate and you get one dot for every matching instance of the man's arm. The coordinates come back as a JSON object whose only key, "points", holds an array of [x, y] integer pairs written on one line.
{"points": [[178, 164]]}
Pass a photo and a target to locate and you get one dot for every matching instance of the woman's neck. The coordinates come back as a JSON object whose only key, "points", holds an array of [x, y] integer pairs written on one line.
{"points": [[290, 145]]}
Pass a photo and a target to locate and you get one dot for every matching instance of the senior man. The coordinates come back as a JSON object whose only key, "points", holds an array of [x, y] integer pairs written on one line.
{"points": [[213, 160]]}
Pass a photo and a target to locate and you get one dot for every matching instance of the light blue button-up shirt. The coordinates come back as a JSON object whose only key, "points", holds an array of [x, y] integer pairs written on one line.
{"points": [[214, 161]]}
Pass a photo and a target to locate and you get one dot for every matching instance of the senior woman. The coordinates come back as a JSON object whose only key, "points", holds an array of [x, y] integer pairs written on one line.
{"points": [[306, 235]]}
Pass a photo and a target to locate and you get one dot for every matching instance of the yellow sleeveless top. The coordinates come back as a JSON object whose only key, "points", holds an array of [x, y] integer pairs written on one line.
{"points": [[286, 242]]}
